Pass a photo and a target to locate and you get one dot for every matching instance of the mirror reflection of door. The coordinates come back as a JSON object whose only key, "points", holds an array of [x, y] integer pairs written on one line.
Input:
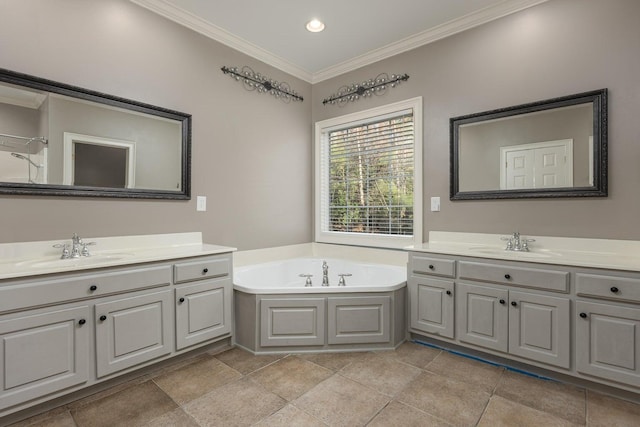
{"points": [[539, 165], [93, 161]]}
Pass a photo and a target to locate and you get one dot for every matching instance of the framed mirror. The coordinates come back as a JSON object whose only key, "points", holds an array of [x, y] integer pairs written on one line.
{"points": [[61, 140], [551, 148]]}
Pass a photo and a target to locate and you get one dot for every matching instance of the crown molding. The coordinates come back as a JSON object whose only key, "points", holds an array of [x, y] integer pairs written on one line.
{"points": [[206, 28], [431, 35], [199, 25]]}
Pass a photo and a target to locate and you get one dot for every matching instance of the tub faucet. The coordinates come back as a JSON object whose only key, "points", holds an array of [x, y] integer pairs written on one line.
{"points": [[325, 274]]}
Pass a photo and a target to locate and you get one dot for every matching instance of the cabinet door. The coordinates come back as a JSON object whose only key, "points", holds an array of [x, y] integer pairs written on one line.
{"points": [[359, 320], [132, 330], [608, 342], [296, 321], [203, 311], [482, 316], [43, 353], [539, 328], [431, 305]]}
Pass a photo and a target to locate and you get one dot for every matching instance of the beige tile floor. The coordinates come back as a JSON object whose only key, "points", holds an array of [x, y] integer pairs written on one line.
{"points": [[412, 386]]}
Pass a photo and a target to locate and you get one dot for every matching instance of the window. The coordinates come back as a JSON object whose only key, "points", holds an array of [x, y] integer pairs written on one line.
{"points": [[368, 177]]}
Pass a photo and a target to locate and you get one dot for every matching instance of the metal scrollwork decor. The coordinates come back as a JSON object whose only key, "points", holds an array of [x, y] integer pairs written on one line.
{"points": [[263, 84], [355, 91]]}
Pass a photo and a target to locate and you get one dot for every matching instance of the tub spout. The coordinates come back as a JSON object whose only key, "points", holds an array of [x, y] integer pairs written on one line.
{"points": [[325, 274]]}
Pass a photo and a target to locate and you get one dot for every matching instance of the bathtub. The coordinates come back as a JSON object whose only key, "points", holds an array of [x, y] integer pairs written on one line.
{"points": [[283, 277], [276, 313]]}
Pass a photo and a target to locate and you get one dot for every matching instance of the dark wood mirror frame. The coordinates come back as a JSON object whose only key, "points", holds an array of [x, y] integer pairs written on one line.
{"points": [[598, 98], [10, 188]]}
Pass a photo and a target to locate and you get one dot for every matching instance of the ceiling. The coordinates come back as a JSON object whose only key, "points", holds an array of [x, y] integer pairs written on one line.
{"points": [[357, 33]]}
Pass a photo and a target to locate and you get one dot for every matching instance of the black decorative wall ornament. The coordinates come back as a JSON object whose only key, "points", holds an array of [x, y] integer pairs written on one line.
{"points": [[256, 81], [355, 91]]}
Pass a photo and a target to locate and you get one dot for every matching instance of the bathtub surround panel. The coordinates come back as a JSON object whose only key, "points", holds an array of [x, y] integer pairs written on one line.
{"points": [[553, 49], [249, 173]]}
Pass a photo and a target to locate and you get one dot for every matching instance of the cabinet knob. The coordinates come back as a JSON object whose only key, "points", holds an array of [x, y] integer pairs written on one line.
{"points": [[507, 276], [205, 270], [513, 303], [502, 301], [583, 315], [93, 288], [431, 267], [81, 322], [614, 289], [103, 318], [448, 292], [181, 300]]}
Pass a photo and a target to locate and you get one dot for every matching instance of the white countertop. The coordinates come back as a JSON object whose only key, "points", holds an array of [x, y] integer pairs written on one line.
{"points": [[35, 258], [579, 252]]}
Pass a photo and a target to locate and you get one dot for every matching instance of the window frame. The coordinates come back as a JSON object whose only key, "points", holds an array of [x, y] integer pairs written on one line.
{"points": [[321, 183]]}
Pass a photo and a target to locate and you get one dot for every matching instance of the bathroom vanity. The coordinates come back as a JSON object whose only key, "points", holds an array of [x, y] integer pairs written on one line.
{"points": [[68, 324], [572, 307]]}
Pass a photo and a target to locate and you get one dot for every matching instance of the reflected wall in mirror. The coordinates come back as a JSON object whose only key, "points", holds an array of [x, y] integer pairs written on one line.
{"points": [[57, 139], [551, 148]]}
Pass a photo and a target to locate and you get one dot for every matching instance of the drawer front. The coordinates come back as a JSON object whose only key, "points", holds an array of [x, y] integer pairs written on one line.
{"points": [[610, 287], [45, 292], [549, 280], [435, 266], [202, 269]]}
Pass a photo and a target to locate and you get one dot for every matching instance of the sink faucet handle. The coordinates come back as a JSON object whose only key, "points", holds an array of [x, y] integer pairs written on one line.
{"points": [[307, 283], [65, 250], [342, 282], [525, 244], [85, 249]]}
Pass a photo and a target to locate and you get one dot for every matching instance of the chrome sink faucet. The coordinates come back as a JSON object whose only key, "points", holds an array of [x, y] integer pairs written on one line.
{"points": [[78, 248], [516, 243], [325, 273]]}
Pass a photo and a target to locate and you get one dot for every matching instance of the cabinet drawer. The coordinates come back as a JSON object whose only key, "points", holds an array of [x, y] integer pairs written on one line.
{"points": [[202, 269], [25, 294], [435, 266], [610, 287], [549, 280]]}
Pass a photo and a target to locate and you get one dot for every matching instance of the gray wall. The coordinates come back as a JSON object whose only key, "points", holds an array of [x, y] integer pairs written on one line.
{"points": [[251, 152], [558, 48]]}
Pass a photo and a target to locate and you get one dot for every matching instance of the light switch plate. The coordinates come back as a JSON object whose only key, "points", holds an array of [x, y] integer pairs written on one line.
{"points": [[435, 204], [201, 203]]}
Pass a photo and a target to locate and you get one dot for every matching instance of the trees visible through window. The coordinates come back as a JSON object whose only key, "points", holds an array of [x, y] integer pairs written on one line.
{"points": [[368, 188], [371, 177]]}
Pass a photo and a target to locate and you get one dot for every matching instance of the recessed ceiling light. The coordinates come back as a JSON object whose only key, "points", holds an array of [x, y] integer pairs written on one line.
{"points": [[315, 26]]}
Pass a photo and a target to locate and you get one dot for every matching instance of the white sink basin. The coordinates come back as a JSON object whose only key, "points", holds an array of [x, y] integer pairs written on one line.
{"points": [[97, 259], [488, 250]]}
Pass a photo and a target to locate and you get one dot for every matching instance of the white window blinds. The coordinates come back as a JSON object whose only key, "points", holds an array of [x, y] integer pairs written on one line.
{"points": [[370, 178]]}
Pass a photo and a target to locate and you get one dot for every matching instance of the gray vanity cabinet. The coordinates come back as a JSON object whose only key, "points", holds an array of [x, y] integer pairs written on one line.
{"points": [[532, 326], [132, 330], [608, 342], [42, 352], [431, 295], [203, 311], [431, 305], [483, 316]]}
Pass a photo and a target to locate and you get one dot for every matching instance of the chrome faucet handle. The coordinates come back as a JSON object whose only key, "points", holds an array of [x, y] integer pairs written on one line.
{"points": [[525, 244], [65, 250], [85, 249], [307, 283], [342, 282], [509, 241]]}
